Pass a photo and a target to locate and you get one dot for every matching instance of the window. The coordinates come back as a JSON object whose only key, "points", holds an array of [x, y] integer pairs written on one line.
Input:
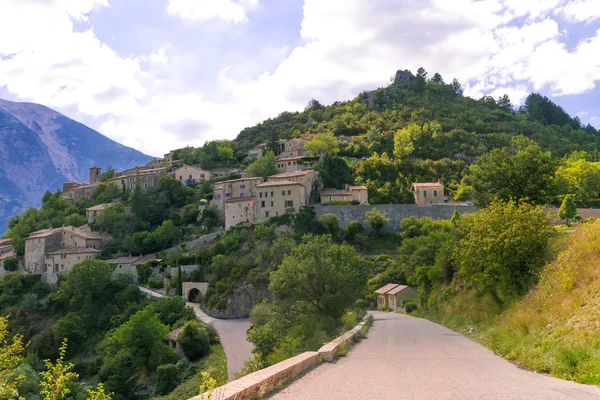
{"points": [[277, 213], [218, 197], [190, 177], [242, 186], [271, 194], [271, 204], [283, 192], [242, 194], [227, 194], [233, 216], [180, 177], [201, 176], [424, 193], [435, 193], [262, 204], [260, 195], [289, 204], [241, 215], [266, 214], [289, 192]]}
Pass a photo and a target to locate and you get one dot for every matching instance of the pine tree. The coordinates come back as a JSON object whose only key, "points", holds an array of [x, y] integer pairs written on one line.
{"points": [[504, 102], [179, 289], [458, 89], [437, 79], [568, 209]]}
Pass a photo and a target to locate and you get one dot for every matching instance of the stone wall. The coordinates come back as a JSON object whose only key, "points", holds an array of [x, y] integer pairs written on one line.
{"points": [[395, 212], [194, 243]]}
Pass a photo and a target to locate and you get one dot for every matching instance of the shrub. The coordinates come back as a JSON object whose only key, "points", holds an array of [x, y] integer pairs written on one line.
{"points": [[194, 340], [355, 202], [156, 284], [377, 219], [11, 264], [410, 306], [221, 304], [352, 230], [350, 319], [340, 203], [167, 378], [329, 224]]}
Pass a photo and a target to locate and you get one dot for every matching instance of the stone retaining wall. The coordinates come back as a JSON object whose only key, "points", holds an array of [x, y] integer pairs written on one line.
{"points": [[259, 383], [329, 351], [395, 212]]}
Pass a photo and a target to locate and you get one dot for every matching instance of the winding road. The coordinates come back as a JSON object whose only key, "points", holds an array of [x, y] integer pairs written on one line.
{"points": [[414, 359], [232, 332]]}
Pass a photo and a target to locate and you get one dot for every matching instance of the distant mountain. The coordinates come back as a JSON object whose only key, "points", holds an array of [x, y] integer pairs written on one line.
{"points": [[41, 148]]}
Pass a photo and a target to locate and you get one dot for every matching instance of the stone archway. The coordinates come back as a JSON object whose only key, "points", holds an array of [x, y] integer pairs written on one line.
{"points": [[194, 296], [193, 291]]}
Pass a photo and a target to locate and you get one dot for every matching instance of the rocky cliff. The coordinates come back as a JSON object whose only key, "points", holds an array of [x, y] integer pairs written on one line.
{"points": [[41, 148]]}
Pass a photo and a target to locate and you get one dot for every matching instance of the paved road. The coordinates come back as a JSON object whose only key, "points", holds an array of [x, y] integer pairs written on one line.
{"points": [[410, 358], [232, 333]]}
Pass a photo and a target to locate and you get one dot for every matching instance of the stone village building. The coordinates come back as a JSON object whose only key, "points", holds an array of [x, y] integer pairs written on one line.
{"points": [[6, 251], [428, 193], [55, 251], [350, 193]]}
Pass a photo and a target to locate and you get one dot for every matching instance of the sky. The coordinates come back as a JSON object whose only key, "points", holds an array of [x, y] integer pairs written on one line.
{"points": [[162, 74]]}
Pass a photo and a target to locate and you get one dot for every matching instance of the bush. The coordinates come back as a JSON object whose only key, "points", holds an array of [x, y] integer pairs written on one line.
{"points": [[352, 230], [11, 264], [355, 202], [167, 378], [194, 340], [410, 306], [156, 284], [221, 304], [340, 203]]}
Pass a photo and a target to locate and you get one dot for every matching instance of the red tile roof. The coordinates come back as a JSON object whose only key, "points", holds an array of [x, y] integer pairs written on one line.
{"points": [[271, 184], [397, 289], [74, 250], [386, 288], [427, 184]]}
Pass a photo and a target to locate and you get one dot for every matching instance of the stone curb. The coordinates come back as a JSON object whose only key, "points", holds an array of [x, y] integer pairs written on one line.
{"points": [[259, 383], [330, 351]]}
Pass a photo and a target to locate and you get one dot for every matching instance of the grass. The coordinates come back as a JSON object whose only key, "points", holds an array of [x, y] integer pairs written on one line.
{"points": [[555, 328], [215, 364]]}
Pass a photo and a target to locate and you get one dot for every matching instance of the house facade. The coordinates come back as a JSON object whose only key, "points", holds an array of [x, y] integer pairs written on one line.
{"points": [[391, 295], [189, 174], [275, 198], [306, 178], [67, 242], [91, 212], [428, 193], [350, 193], [232, 189], [292, 148], [290, 164], [240, 210]]}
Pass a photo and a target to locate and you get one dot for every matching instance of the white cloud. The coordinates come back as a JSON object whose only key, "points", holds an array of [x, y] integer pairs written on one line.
{"points": [[580, 10], [203, 10], [348, 46]]}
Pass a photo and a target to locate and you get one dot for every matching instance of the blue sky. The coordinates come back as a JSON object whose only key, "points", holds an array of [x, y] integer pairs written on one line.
{"points": [[161, 74]]}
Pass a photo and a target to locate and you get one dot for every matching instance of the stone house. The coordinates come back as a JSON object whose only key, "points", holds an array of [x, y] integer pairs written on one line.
{"points": [[275, 198], [128, 265], [232, 189], [306, 178], [145, 178], [290, 164], [6, 251], [173, 336], [240, 210], [350, 193], [292, 148], [91, 212], [64, 242], [428, 193], [189, 174], [62, 260], [391, 295]]}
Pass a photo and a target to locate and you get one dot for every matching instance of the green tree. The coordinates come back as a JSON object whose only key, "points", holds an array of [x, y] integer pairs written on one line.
{"points": [[352, 230], [57, 376], [98, 393], [330, 224], [520, 171], [179, 288], [335, 172], [108, 174], [322, 145], [143, 337], [504, 102], [11, 356], [11, 264], [224, 151], [113, 220], [75, 220], [502, 248], [320, 277], [580, 178], [143, 271], [263, 166], [194, 340], [457, 87], [167, 379], [376, 219], [455, 217], [568, 209], [403, 141], [86, 284], [437, 79]]}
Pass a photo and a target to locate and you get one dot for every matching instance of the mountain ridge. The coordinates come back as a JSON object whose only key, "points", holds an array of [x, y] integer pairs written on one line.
{"points": [[41, 148]]}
